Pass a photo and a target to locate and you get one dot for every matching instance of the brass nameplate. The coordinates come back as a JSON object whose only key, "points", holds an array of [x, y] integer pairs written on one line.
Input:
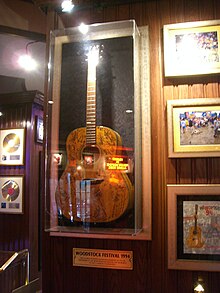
{"points": [[109, 259]]}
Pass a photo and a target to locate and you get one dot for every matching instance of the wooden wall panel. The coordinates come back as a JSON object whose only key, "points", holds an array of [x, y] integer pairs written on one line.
{"points": [[122, 12], [206, 10], [150, 274], [21, 231]]}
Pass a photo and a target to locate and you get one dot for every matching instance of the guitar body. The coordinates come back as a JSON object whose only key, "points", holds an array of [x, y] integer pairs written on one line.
{"points": [[87, 191], [194, 239]]}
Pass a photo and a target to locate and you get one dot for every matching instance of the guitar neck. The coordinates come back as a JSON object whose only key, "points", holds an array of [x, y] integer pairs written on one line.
{"points": [[91, 107], [195, 216]]}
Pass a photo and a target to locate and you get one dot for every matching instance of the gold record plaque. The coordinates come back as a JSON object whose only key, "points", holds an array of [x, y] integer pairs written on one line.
{"points": [[11, 194], [10, 190], [12, 146]]}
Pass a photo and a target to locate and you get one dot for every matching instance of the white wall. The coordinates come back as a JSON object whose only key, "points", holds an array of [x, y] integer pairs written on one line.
{"points": [[23, 16], [11, 47]]}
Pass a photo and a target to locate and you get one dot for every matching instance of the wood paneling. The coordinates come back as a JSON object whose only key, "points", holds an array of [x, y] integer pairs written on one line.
{"points": [[21, 231], [150, 272]]}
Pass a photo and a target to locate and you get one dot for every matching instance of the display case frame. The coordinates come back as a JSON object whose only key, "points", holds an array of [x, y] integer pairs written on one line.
{"points": [[141, 228]]}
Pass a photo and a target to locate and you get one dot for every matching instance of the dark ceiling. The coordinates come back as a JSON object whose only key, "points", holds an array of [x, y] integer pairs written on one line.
{"points": [[81, 4]]}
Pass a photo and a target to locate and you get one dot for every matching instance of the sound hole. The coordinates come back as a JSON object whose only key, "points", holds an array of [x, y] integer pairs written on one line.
{"points": [[90, 155]]}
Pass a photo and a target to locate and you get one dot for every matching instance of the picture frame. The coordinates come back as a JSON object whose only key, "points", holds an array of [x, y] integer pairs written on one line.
{"points": [[193, 127], [39, 129], [11, 195], [194, 227], [191, 48], [12, 146]]}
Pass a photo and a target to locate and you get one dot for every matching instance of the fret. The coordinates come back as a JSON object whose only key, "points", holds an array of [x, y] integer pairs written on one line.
{"points": [[91, 103]]}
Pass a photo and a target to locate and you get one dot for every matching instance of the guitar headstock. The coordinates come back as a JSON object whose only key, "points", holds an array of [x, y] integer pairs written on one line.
{"points": [[95, 54]]}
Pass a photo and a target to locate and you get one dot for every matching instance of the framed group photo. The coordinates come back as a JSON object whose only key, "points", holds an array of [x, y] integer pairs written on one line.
{"points": [[194, 227], [193, 127], [192, 48]]}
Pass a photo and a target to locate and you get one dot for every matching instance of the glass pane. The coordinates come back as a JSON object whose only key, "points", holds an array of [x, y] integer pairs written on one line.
{"points": [[93, 165]]}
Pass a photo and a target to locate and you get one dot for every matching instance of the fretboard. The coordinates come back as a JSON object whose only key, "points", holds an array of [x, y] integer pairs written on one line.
{"points": [[91, 106]]}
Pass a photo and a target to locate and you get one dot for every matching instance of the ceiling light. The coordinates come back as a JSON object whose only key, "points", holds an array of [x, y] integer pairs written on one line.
{"points": [[27, 62], [83, 28], [67, 6]]}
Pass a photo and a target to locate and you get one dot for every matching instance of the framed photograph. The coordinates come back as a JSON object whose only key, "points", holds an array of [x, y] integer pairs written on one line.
{"points": [[11, 194], [192, 48], [39, 129], [193, 127], [12, 146], [194, 227]]}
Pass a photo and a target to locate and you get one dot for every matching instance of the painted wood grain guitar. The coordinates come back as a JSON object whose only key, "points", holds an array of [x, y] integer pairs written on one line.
{"points": [[87, 190], [194, 239]]}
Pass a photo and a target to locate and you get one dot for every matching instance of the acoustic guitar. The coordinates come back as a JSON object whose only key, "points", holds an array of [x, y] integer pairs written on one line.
{"points": [[88, 191], [194, 239]]}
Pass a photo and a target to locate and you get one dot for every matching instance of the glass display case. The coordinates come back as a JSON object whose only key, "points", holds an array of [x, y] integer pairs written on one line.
{"points": [[94, 128]]}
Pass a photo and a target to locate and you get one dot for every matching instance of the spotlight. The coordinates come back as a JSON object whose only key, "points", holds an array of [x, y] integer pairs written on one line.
{"points": [[199, 289], [26, 61], [67, 6], [199, 286], [83, 28]]}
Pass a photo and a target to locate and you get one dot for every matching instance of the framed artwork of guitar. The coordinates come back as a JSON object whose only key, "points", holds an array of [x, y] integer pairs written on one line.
{"points": [[194, 227], [194, 238], [98, 147]]}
